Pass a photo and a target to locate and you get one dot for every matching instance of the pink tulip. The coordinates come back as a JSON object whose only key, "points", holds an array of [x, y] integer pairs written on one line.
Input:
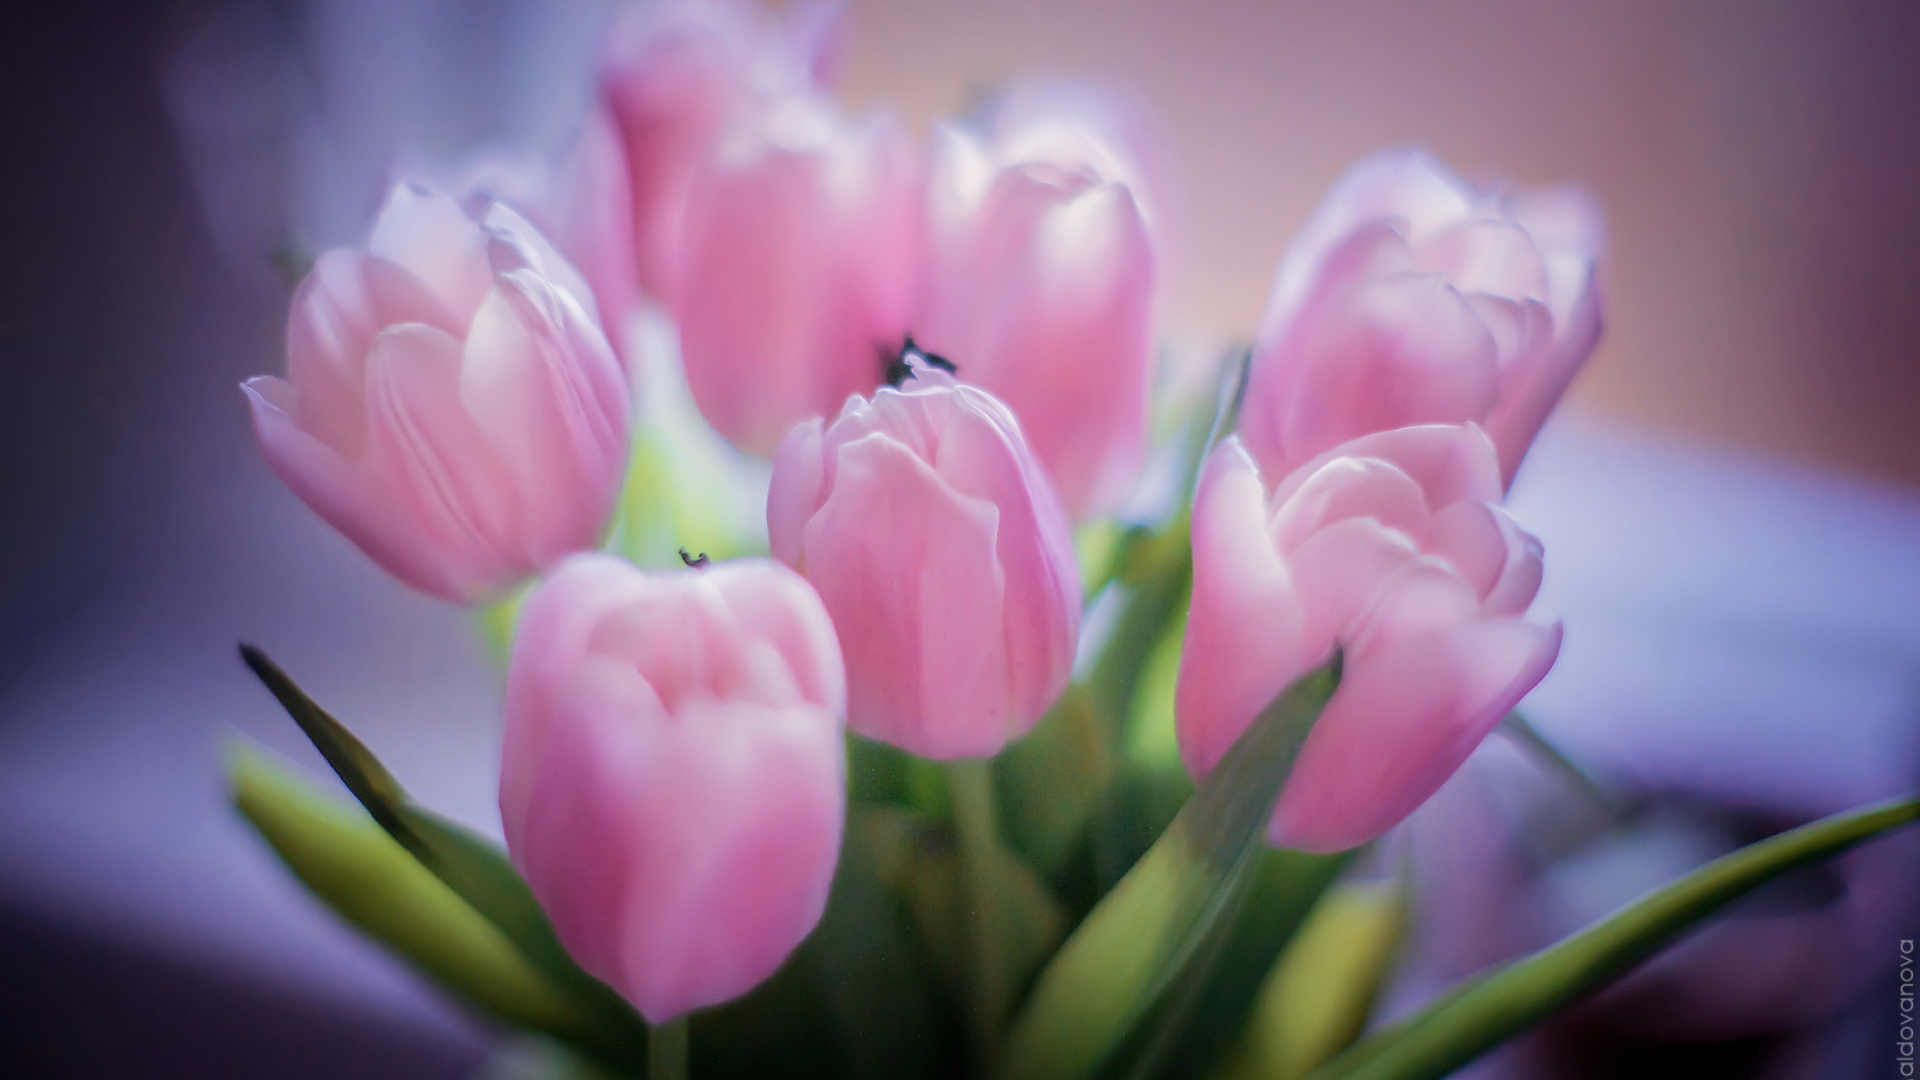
{"points": [[673, 777], [676, 75], [1413, 298], [451, 403], [582, 203], [1393, 547], [1042, 292], [801, 252], [943, 555]]}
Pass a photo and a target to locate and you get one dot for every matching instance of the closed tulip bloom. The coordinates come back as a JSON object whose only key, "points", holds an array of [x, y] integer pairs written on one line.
{"points": [[1042, 291], [1411, 297], [1394, 548], [673, 776], [942, 553], [451, 404], [676, 74], [801, 258]]}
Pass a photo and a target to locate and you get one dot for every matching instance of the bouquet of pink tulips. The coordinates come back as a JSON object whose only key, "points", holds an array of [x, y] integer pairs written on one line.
{"points": [[1058, 722]]}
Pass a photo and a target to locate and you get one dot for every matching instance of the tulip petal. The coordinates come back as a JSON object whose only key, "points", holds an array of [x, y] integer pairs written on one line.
{"points": [[747, 309], [1245, 627], [1451, 462], [741, 810], [1409, 186], [571, 837], [1486, 255], [436, 463], [672, 79], [1350, 487], [1569, 231], [784, 610], [1068, 335], [1532, 389], [796, 490], [339, 492], [1425, 596], [678, 635], [514, 244], [553, 636], [543, 384], [1340, 573], [433, 238], [340, 307], [1488, 548], [802, 250], [980, 454], [907, 568], [1402, 721]]}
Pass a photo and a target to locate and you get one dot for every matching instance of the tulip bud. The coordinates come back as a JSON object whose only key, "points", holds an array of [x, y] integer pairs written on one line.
{"points": [[673, 776], [1394, 548], [1042, 292], [1412, 298], [943, 556], [675, 75], [801, 250], [451, 403]]}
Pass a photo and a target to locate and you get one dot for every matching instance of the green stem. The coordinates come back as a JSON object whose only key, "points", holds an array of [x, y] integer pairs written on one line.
{"points": [[1541, 749], [667, 1050], [970, 784]]}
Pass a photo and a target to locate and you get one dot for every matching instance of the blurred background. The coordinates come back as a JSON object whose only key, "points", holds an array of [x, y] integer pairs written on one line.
{"points": [[1730, 503]]}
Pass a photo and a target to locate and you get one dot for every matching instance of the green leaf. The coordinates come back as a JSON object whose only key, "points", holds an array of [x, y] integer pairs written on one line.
{"points": [[377, 886], [1198, 1020], [876, 981], [1049, 782], [858, 998], [1481, 1014], [918, 860], [987, 921], [1317, 998], [1171, 910], [472, 866], [1132, 814]]}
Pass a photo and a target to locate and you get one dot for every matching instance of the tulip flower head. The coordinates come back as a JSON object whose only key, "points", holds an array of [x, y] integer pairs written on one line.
{"points": [[673, 776], [1041, 286], [943, 555], [802, 248], [1412, 298], [676, 74], [451, 404], [1394, 548]]}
